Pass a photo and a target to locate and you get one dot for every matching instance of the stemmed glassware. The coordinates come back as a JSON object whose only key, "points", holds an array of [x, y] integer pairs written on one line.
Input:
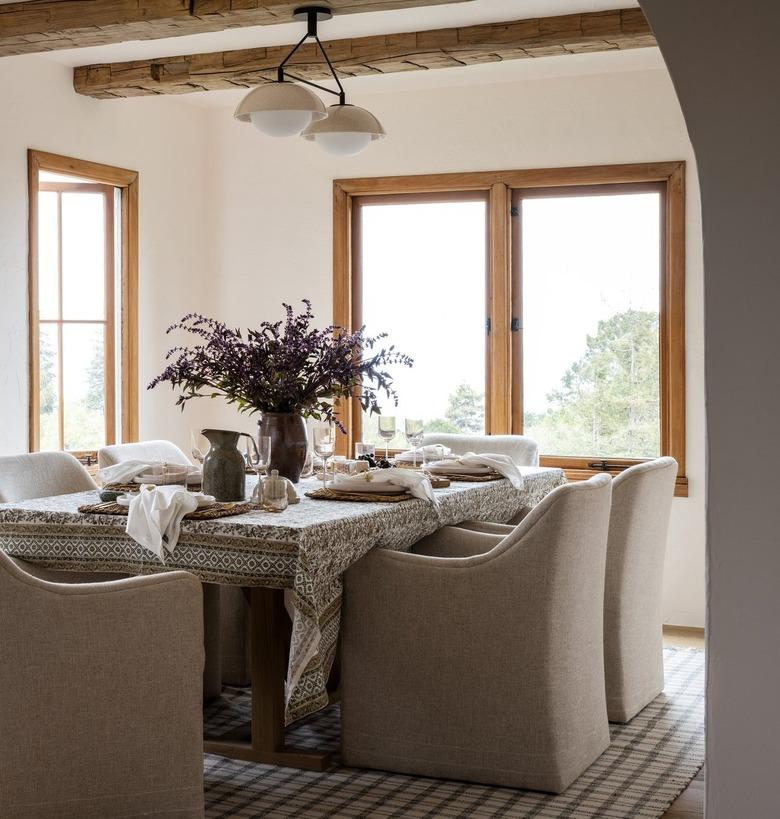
{"points": [[414, 429], [325, 446], [258, 456], [387, 430]]}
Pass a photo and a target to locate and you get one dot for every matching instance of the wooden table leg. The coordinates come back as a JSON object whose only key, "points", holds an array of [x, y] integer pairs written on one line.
{"points": [[269, 668]]}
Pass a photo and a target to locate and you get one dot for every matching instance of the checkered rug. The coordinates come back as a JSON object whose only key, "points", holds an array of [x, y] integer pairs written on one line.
{"points": [[649, 762]]}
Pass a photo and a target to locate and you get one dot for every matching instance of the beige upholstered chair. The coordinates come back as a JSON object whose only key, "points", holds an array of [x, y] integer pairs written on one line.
{"points": [[522, 450], [633, 624], [101, 707], [226, 610], [41, 475], [633, 639], [162, 451], [487, 667]]}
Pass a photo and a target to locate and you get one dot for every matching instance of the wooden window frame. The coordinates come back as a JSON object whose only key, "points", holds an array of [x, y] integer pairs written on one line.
{"points": [[100, 177], [502, 412]]}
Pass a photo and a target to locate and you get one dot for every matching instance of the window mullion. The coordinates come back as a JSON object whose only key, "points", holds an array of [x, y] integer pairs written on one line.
{"points": [[498, 398]]}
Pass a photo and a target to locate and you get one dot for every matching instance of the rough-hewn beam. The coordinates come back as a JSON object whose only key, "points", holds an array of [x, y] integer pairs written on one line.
{"points": [[441, 48], [49, 25]]}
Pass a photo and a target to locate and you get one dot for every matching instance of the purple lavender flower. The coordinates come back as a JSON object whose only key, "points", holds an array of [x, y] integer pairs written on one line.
{"points": [[285, 366]]}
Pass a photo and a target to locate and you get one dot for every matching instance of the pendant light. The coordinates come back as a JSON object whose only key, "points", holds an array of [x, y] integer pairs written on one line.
{"points": [[284, 108], [346, 131]]}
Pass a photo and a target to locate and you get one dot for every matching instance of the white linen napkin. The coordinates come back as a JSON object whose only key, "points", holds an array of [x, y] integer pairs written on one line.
{"points": [[155, 514], [124, 471], [415, 482], [431, 450], [502, 464]]}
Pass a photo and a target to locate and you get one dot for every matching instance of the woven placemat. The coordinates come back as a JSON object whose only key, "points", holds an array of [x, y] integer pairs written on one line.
{"points": [[470, 478], [134, 487], [217, 510], [364, 497]]}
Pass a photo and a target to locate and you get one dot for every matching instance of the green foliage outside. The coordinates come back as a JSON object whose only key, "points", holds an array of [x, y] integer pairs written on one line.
{"points": [[85, 419], [607, 404]]}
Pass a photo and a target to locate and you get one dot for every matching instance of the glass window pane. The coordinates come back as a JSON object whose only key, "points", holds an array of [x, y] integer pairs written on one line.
{"points": [[84, 386], [590, 296], [48, 277], [83, 256], [423, 282], [48, 392]]}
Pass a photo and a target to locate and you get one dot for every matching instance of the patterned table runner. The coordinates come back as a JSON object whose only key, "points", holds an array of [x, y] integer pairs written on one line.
{"points": [[305, 549]]}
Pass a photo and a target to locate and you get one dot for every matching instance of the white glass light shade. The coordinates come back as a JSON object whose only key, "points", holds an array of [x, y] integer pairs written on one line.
{"points": [[347, 130], [280, 109]]}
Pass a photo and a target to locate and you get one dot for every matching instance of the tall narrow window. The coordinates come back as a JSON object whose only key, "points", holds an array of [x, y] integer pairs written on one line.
{"points": [[423, 277], [80, 273], [590, 287]]}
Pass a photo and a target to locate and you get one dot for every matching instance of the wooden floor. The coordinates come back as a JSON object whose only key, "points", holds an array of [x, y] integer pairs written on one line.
{"points": [[690, 803]]}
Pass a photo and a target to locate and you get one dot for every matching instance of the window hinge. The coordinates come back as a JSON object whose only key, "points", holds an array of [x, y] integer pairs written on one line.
{"points": [[488, 325], [515, 325]]}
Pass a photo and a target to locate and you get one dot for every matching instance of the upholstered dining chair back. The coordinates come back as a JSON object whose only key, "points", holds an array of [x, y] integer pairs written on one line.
{"points": [[522, 450], [101, 711], [158, 451], [486, 668], [41, 475], [633, 640]]}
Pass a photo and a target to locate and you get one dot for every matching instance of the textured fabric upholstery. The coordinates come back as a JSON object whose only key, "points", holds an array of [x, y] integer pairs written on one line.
{"points": [[101, 708], [633, 641], [41, 475], [522, 450], [487, 668], [159, 451]]}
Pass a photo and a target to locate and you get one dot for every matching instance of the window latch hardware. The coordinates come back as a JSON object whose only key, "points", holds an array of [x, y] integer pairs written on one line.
{"points": [[601, 465], [488, 325], [515, 325]]}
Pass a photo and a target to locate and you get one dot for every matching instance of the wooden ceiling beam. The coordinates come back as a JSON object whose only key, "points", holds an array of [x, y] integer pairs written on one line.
{"points": [[383, 54], [51, 25]]}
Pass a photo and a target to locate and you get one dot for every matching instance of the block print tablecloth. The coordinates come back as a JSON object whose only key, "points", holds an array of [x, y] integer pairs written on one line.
{"points": [[304, 550]]}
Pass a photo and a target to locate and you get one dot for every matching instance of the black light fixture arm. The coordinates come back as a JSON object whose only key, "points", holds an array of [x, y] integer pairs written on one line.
{"points": [[313, 15]]}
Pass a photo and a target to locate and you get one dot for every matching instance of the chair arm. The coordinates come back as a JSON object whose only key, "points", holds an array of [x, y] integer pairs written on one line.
{"points": [[502, 529], [453, 541]]}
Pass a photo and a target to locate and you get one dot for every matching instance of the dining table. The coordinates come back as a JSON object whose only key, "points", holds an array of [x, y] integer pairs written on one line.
{"points": [[290, 565]]}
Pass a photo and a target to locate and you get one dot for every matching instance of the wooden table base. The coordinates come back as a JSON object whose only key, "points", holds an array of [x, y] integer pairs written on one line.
{"points": [[263, 739]]}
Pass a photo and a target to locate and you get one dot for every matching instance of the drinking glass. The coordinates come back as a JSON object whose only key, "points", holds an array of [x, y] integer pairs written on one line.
{"points": [[258, 456], [387, 430], [364, 448], [324, 446], [414, 428]]}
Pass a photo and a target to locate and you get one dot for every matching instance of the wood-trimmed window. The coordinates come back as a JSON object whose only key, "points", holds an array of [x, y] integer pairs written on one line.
{"points": [[83, 304], [512, 198]]}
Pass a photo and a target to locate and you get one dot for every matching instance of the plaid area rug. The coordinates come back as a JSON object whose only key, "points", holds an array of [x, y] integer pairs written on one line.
{"points": [[649, 762]]}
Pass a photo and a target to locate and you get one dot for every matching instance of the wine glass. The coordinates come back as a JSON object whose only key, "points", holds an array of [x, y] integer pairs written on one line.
{"points": [[325, 446], [387, 430], [258, 456], [414, 428]]}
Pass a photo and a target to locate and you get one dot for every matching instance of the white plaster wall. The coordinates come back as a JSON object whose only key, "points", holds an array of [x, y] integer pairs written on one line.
{"points": [[270, 206], [165, 142]]}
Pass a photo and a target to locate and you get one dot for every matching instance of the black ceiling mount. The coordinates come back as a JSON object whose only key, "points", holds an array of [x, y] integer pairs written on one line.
{"points": [[312, 15]]}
